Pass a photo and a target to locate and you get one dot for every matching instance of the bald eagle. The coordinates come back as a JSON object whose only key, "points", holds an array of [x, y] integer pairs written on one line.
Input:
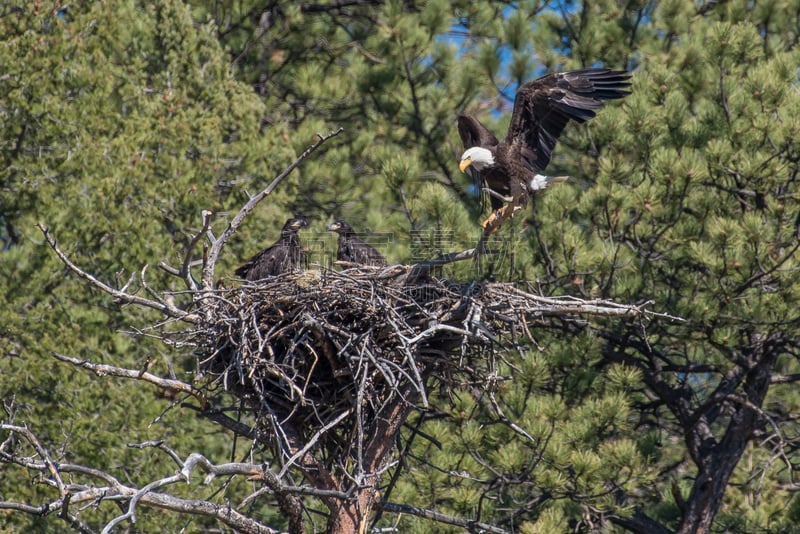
{"points": [[284, 256], [511, 168], [354, 250]]}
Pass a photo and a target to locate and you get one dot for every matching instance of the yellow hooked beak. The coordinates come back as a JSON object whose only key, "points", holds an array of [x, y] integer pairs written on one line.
{"points": [[465, 163]]}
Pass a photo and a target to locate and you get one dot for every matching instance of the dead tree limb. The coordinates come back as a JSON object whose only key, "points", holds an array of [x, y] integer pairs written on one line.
{"points": [[81, 490], [102, 369], [163, 305], [438, 517]]}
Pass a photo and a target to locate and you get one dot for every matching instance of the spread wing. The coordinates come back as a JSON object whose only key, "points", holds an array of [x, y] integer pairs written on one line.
{"points": [[473, 133], [543, 107]]}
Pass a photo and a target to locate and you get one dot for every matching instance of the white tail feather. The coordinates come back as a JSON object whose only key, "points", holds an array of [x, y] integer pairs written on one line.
{"points": [[541, 181]]}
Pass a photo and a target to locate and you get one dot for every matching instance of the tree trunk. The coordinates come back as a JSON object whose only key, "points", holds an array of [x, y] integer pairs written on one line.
{"points": [[706, 496], [717, 461], [350, 517]]}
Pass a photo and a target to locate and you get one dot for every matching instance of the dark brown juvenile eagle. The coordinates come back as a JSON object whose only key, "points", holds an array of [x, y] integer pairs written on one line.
{"points": [[352, 249], [284, 256], [511, 168]]}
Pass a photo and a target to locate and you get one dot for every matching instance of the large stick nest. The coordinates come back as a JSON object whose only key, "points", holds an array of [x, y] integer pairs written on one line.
{"points": [[329, 350]]}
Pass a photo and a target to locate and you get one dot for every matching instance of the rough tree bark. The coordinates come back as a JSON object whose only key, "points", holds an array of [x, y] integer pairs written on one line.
{"points": [[716, 459], [349, 516]]}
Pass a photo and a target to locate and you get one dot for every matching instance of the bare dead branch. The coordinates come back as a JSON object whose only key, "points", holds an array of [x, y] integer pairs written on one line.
{"points": [[185, 272], [468, 524], [508, 422], [237, 468], [102, 369], [47, 462], [785, 379], [222, 513], [158, 444], [77, 493], [219, 417], [122, 296], [422, 269], [136, 497], [49, 508], [311, 442]]}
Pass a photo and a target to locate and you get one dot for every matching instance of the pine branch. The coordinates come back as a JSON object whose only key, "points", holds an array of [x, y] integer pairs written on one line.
{"points": [[468, 524]]}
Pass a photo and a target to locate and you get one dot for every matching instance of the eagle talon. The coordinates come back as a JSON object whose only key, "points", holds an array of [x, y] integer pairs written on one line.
{"points": [[507, 211], [489, 220]]}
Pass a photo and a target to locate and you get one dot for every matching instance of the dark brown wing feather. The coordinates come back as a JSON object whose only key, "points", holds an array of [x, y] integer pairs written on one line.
{"points": [[354, 250], [284, 256], [473, 133], [544, 106]]}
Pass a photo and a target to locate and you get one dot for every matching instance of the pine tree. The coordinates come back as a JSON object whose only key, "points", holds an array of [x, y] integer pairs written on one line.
{"points": [[684, 197], [121, 124]]}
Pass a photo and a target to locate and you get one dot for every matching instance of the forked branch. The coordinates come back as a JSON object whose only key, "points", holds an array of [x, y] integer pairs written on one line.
{"points": [[162, 305], [82, 486]]}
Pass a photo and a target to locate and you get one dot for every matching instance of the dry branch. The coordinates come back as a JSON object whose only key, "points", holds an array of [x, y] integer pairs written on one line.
{"points": [[78, 485], [110, 370], [433, 515], [121, 295]]}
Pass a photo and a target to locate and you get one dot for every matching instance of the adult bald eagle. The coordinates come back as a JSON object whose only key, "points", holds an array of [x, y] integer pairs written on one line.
{"points": [[284, 256], [354, 250], [511, 168]]}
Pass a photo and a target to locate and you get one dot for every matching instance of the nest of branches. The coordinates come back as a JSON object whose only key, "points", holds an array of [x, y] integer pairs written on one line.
{"points": [[331, 350]]}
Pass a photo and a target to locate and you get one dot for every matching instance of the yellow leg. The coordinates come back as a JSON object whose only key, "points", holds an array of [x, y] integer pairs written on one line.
{"points": [[493, 221], [489, 220]]}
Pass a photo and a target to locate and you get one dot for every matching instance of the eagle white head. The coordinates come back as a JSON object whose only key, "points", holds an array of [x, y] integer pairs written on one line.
{"points": [[478, 157]]}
